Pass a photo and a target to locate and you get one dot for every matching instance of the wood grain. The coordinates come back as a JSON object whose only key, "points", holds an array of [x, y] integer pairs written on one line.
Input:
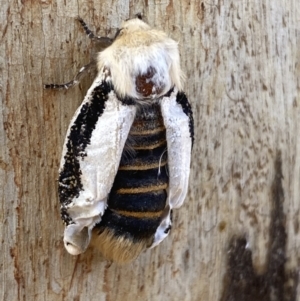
{"points": [[241, 60]]}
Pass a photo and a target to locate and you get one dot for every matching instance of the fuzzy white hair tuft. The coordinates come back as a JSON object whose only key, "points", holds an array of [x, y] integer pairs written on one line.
{"points": [[136, 50]]}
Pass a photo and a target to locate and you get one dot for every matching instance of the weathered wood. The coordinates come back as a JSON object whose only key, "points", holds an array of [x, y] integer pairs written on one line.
{"points": [[241, 59]]}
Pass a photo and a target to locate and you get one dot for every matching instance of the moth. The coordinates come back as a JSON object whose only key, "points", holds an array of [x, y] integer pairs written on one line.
{"points": [[126, 157]]}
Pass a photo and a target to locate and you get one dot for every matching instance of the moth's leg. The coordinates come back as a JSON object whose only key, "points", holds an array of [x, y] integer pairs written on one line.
{"points": [[103, 42], [91, 66]]}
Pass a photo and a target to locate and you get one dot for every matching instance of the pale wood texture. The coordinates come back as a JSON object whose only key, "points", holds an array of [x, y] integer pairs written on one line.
{"points": [[241, 59]]}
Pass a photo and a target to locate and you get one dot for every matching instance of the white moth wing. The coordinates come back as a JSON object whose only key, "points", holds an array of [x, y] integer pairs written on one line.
{"points": [[163, 229], [98, 164], [179, 133], [179, 141]]}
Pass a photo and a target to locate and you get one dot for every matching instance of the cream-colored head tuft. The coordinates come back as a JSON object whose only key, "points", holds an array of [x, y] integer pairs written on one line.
{"points": [[134, 24], [143, 62]]}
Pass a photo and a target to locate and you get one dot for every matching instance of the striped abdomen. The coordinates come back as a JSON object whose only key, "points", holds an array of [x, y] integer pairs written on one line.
{"points": [[138, 196]]}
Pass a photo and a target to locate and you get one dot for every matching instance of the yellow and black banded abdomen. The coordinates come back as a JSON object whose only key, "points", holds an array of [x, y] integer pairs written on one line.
{"points": [[138, 196]]}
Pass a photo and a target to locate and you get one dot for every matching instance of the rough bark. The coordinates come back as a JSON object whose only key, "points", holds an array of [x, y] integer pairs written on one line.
{"points": [[237, 235]]}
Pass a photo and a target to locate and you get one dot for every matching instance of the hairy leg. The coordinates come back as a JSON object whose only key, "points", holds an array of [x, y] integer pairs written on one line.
{"points": [[102, 43]]}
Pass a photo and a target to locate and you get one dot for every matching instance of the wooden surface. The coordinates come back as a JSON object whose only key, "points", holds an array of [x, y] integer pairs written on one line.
{"points": [[237, 235]]}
